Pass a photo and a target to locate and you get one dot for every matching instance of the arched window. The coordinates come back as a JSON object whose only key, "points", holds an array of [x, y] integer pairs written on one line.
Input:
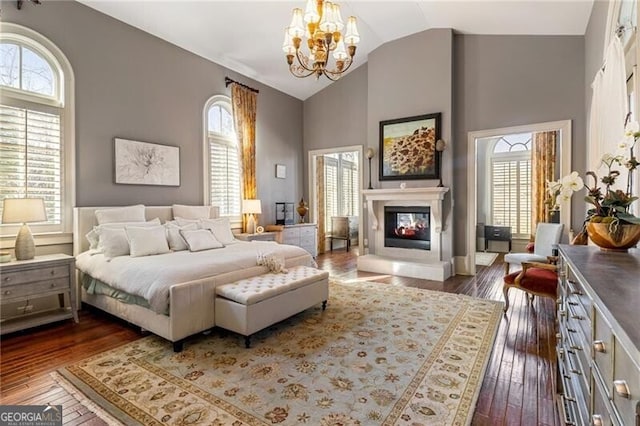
{"points": [[222, 160], [36, 126], [511, 183]]}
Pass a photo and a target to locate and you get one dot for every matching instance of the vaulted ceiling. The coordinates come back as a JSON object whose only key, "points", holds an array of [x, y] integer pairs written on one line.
{"points": [[246, 36]]}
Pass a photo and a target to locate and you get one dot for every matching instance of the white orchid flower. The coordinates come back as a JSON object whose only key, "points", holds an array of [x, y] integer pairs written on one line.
{"points": [[553, 186], [632, 128], [626, 143], [571, 183]]}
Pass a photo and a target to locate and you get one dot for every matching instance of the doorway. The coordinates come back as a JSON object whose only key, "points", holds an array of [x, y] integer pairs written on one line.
{"points": [[478, 143], [335, 185]]}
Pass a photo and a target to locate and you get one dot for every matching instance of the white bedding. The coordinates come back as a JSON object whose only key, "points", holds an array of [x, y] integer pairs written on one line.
{"points": [[151, 277]]}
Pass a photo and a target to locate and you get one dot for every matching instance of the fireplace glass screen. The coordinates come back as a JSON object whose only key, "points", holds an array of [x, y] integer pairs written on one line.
{"points": [[407, 227]]}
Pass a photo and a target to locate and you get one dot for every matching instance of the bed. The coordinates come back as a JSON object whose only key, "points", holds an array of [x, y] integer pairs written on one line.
{"points": [[189, 307]]}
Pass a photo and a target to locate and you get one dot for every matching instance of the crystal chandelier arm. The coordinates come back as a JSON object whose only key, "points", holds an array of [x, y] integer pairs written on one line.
{"points": [[334, 75], [303, 61], [298, 71]]}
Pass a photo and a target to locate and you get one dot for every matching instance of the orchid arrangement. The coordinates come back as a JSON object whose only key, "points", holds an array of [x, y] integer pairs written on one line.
{"points": [[562, 190], [612, 205]]}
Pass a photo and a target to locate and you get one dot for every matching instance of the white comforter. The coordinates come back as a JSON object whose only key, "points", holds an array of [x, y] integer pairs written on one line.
{"points": [[151, 277]]}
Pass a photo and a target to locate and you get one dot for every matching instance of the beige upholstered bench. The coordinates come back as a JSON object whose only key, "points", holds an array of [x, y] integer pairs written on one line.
{"points": [[252, 304]]}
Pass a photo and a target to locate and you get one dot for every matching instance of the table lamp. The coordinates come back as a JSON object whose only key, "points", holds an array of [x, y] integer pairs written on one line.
{"points": [[251, 208], [24, 210]]}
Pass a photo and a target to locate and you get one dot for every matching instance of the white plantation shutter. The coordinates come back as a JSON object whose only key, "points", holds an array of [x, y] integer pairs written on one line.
{"points": [[31, 158], [511, 195], [224, 177], [342, 185]]}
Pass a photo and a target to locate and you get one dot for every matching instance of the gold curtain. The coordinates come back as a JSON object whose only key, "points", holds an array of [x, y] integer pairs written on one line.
{"points": [[320, 203], [244, 102], [543, 166]]}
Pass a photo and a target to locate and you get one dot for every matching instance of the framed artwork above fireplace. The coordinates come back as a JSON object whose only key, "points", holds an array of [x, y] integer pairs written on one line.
{"points": [[408, 148]]}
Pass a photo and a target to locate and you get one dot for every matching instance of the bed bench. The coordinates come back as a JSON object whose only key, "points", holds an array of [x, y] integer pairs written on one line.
{"points": [[252, 304]]}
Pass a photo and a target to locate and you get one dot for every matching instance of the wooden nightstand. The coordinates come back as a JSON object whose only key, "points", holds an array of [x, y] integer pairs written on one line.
{"points": [[24, 280], [265, 236]]}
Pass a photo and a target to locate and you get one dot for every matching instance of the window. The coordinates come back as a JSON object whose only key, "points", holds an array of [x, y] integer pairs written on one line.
{"points": [[511, 183], [341, 185], [222, 159], [36, 126]]}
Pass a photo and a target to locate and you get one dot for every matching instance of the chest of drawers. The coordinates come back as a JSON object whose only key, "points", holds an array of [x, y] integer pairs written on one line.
{"points": [[21, 281], [598, 380], [304, 235]]}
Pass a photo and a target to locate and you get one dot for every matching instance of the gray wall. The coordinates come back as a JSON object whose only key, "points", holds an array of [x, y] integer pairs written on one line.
{"points": [[477, 82], [133, 85], [503, 81]]}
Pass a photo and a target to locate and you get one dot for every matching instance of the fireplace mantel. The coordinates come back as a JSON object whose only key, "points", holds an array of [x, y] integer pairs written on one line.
{"points": [[433, 194]]}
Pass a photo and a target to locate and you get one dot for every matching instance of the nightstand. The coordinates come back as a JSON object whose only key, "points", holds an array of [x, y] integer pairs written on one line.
{"points": [[24, 280], [265, 236]]}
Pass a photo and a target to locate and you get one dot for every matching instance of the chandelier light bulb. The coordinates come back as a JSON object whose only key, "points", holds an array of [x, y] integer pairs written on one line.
{"points": [[327, 22], [296, 29], [340, 54], [337, 17], [352, 37], [311, 15], [287, 44]]}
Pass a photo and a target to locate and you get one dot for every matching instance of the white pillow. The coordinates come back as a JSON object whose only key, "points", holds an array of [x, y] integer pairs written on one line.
{"points": [[200, 239], [176, 242], [121, 214], [190, 212], [221, 229], [147, 241], [93, 236], [113, 242], [184, 222]]}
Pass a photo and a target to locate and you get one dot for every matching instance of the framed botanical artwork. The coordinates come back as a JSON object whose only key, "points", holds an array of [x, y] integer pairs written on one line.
{"points": [[408, 148], [143, 163]]}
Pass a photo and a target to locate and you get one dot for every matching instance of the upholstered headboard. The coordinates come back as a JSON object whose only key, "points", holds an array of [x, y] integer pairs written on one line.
{"points": [[84, 219]]}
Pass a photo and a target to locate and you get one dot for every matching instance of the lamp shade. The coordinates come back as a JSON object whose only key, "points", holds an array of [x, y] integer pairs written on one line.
{"points": [[23, 210], [251, 207]]}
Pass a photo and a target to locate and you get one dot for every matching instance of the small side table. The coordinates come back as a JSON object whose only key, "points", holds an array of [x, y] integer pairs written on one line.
{"points": [[497, 233], [24, 280], [265, 236]]}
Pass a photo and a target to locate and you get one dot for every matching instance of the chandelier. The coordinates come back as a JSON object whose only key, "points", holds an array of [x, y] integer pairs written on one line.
{"points": [[321, 25]]}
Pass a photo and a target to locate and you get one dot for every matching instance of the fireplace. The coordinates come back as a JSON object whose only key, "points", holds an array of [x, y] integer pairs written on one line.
{"points": [[407, 227]]}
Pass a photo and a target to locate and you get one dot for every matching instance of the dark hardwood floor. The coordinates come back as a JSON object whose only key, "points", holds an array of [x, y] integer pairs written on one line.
{"points": [[517, 388]]}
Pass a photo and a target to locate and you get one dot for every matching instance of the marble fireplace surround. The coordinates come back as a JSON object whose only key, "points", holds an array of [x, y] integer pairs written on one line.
{"points": [[414, 263]]}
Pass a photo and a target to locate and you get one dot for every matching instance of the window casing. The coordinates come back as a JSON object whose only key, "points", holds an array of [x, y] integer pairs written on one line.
{"points": [[511, 184], [342, 183], [36, 127], [222, 160]]}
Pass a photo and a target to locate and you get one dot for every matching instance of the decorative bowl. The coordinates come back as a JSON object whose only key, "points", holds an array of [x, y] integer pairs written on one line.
{"points": [[624, 237]]}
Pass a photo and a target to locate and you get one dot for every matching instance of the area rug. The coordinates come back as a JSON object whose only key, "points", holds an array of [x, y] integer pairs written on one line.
{"points": [[485, 258], [379, 355]]}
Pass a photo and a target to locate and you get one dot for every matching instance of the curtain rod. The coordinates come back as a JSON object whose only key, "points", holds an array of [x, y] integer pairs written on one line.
{"points": [[228, 81]]}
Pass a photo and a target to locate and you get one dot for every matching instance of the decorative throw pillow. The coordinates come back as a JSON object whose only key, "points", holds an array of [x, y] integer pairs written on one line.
{"points": [[113, 242], [190, 212], [93, 236], [272, 261], [180, 221], [121, 214], [176, 242], [147, 241], [200, 239], [221, 229]]}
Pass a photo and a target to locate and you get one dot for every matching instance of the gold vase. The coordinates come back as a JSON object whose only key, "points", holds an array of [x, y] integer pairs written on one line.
{"points": [[614, 238], [302, 210]]}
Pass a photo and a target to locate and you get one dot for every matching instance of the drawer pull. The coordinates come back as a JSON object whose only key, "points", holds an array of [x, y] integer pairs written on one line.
{"points": [[7, 292], [599, 346], [577, 317], [7, 279], [53, 272], [578, 372], [53, 285], [571, 330], [576, 348], [596, 420], [622, 388], [573, 303], [562, 313]]}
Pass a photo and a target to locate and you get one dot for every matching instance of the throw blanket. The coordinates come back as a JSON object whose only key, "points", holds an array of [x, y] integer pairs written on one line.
{"points": [[150, 277]]}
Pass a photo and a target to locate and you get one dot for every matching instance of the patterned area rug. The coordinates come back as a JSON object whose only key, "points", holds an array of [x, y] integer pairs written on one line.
{"points": [[379, 355], [485, 258]]}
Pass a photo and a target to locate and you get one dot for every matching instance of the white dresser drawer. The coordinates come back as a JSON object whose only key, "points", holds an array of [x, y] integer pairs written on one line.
{"points": [[603, 351], [626, 386], [35, 274], [307, 232]]}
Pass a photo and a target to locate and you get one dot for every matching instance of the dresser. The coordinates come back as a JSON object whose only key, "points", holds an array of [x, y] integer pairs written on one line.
{"points": [[303, 235], [25, 280], [598, 347]]}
